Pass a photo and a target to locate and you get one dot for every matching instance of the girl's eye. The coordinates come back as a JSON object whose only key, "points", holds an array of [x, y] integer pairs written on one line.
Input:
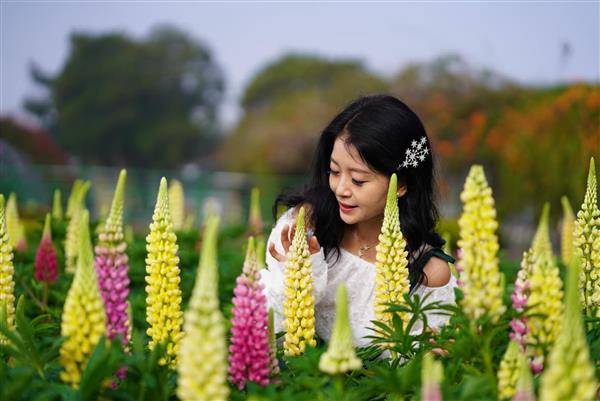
{"points": [[355, 182]]}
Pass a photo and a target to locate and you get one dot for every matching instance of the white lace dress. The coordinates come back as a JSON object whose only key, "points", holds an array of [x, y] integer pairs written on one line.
{"points": [[359, 277]]}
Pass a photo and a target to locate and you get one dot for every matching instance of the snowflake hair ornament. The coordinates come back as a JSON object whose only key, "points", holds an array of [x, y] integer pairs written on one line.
{"points": [[415, 154]]}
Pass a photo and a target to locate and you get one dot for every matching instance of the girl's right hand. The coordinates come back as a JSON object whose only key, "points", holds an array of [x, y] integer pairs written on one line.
{"points": [[286, 242]]}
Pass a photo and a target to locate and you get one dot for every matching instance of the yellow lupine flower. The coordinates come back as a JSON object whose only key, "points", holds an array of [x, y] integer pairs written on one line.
{"points": [[432, 375], [299, 304], [163, 295], [177, 204], [77, 204], [340, 356], [508, 373], [57, 209], [545, 297], [587, 245], [7, 271], [570, 374], [524, 389], [566, 234], [83, 321], [72, 201], [391, 271], [541, 243], [480, 275], [255, 222], [203, 358], [256, 226], [14, 226]]}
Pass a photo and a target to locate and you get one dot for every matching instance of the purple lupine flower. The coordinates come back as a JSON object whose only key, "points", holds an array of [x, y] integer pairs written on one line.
{"points": [[249, 353], [45, 257]]}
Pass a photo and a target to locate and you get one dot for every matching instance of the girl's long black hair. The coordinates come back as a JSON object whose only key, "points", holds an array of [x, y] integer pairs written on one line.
{"points": [[381, 128]]}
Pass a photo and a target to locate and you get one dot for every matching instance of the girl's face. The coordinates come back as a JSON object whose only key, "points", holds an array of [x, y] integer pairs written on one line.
{"points": [[362, 190]]}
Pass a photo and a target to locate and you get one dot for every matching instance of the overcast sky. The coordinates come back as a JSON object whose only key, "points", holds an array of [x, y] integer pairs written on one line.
{"points": [[523, 40]]}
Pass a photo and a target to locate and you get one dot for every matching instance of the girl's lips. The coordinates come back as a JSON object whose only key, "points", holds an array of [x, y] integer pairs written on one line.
{"points": [[345, 208]]}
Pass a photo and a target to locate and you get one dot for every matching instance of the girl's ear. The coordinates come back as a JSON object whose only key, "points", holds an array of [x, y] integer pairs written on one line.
{"points": [[401, 187], [401, 191]]}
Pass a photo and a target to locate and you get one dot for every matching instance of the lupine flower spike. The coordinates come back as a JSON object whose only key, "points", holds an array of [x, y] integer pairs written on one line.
{"points": [[163, 295], [566, 232], [7, 271], [432, 374], [249, 351], [391, 272], [480, 277], [508, 373], [16, 229], [340, 356], [72, 201], [83, 318], [299, 304], [545, 298], [45, 259], [587, 246], [570, 374], [57, 209], [520, 297], [177, 202], [524, 390], [256, 227], [203, 366], [111, 264], [72, 237], [255, 222]]}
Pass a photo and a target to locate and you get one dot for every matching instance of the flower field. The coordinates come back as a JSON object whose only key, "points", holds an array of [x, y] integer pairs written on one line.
{"points": [[90, 310]]}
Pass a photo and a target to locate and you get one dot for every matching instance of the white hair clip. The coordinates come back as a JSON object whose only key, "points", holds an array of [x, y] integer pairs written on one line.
{"points": [[416, 153]]}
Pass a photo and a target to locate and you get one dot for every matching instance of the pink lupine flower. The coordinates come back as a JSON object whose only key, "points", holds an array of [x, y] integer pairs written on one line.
{"points": [[519, 299], [519, 330], [45, 257], [537, 364], [249, 353], [111, 267], [111, 264]]}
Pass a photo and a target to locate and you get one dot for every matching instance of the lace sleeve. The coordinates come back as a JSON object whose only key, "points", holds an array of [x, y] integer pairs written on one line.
{"points": [[272, 277]]}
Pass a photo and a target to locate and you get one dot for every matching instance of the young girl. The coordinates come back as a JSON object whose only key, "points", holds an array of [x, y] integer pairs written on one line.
{"points": [[357, 153]]}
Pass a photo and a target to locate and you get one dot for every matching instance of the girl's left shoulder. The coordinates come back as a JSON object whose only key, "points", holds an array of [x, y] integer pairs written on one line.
{"points": [[437, 272]]}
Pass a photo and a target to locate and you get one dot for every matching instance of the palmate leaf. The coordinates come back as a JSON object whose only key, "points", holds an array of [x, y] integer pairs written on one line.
{"points": [[23, 343], [146, 379], [106, 358], [397, 337]]}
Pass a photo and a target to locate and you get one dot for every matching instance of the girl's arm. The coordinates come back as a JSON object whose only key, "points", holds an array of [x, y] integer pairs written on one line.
{"points": [[272, 277]]}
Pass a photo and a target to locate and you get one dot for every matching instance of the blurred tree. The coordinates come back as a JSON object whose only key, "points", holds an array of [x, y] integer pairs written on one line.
{"points": [[287, 104], [121, 101]]}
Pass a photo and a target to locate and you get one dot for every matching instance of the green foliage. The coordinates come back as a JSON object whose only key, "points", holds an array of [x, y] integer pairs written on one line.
{"points": [[121, 101], [469, 351]]}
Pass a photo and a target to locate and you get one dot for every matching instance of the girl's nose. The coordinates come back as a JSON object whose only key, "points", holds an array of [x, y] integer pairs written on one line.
{"points": [[342, 189]]}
